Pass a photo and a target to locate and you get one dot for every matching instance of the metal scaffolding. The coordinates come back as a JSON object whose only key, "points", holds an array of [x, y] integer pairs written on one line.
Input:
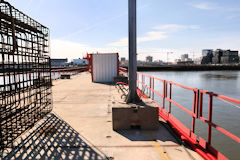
{"points": [[25, 79]]}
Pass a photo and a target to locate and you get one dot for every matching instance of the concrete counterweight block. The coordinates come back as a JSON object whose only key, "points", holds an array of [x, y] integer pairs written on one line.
{"points": [[65, 76], [130, 116], [120, 79]]}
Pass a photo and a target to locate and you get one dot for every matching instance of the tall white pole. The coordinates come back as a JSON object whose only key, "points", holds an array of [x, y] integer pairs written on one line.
{"points": [[132, 64]]}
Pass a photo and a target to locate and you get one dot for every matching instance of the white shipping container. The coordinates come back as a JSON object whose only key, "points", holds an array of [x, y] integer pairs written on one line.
{"points": [[104, 67]]}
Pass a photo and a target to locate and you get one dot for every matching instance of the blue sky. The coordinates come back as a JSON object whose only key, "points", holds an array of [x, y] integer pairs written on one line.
{"points": [[178, 26]]}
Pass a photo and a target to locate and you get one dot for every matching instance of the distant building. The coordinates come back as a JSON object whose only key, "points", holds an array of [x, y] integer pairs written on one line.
{"points": [[123, 59], [158, 62], [184, 57], [177, 60], [59, 62], [207, 52], [198, 60], [149, 59], [80, 62], [123, 63], [155, 63], [184, 60], [217, 54], [207, 55], [225, 56], [230, 57]]}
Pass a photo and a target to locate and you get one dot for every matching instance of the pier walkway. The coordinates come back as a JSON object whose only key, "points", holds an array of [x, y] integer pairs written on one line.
{"points": [[86, 106], [80, 127]]}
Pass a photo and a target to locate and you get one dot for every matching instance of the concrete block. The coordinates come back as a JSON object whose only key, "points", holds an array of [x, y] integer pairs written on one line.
{"points": [[120, 79], [65, 76], [126, 117]]}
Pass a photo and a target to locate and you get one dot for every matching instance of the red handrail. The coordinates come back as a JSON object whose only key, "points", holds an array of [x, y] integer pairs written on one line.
{"points": [[204, 148], [80, 69], [123, 71], [68, 70]]}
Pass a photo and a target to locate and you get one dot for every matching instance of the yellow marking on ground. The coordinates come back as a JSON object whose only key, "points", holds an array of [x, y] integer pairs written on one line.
{"points": [[163, 154]]}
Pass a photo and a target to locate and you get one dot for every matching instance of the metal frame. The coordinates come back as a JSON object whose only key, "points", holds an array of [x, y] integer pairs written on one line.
{"points": [[25, 79]]}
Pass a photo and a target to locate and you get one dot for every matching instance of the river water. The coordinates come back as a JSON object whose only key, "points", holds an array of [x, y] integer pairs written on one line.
{"points": [[26, 79], [225, 115]]}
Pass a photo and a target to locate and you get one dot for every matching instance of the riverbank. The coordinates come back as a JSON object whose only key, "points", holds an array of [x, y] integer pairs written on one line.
{"points": [[188, 68]]}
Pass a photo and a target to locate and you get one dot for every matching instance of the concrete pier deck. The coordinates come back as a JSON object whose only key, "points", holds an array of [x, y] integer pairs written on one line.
{"points": [[80, 127]]}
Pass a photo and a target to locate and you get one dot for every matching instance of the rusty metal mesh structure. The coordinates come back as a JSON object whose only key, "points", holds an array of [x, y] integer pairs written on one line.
{"points": [[25, 79]]}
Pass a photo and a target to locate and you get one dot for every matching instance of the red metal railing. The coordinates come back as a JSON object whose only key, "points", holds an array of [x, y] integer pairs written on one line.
{"points": [[123, 71], [204, 148], [55, 73], [67, 70]]}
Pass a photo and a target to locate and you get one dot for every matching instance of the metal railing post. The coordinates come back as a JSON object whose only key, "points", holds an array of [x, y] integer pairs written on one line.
{"points": [[210, 119], [150, 84], [201, 105], [164, 88], [170, 97], [137, 80], [197, 104], [194, 111], [153, 89]]}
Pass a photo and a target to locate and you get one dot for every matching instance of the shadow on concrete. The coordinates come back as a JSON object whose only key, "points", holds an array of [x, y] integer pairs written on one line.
{"points": [[52, 138], [162, 134], [105, 83]]}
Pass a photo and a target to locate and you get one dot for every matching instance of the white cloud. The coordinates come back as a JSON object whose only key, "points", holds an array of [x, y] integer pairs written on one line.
{"points": [[159, 33], [161, 53], [150, 36], [233, 9], [232, 17], [63, 49], [175, 27], [206, 6], [213, 6], [121, 43], [72, 50]]}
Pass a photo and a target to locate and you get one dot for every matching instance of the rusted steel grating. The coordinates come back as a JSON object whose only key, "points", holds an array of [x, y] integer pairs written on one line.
{"points": [[25, 79]]}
